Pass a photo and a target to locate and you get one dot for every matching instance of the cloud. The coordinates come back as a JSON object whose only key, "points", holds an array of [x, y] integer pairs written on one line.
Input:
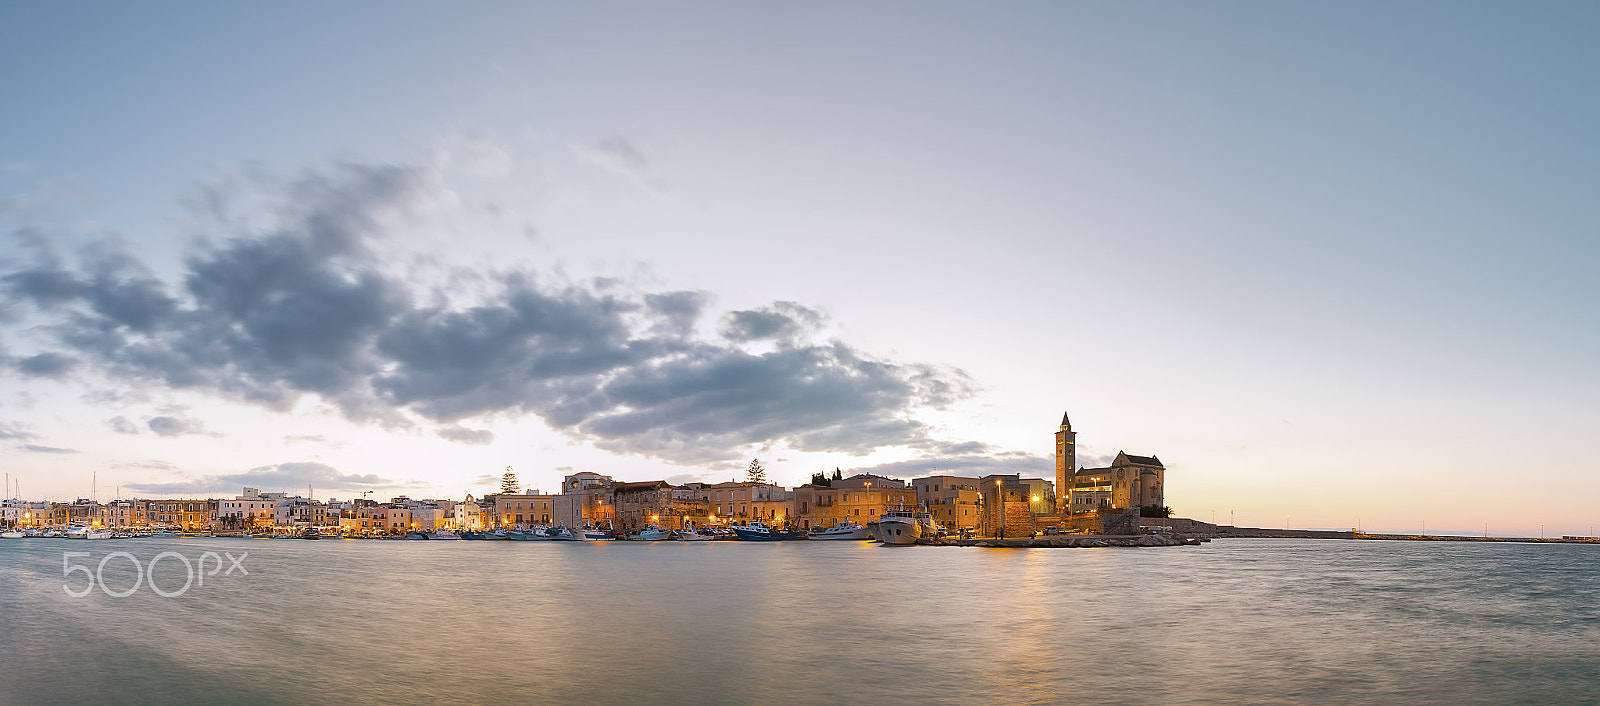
{"points": [[147, 465], [48, 365], [290, 477], [619, 156], [486, 480], [683, 478], [972, 459], [35, 448], [13, 431], [313, 306], [306, 438], [122, 425], [171, 426], [463, 435], [782, 321]]}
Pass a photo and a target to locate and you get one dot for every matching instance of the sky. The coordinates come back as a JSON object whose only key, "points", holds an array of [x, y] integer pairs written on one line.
{"points": [[1331, 263]]}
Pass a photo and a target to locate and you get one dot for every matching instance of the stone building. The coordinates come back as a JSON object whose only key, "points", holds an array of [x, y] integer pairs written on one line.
{"points": [[585, 501], [1066, 463], [656, 502], [737, 502], [954, 501], [522, 509], [860, 499], [1130, 481]]}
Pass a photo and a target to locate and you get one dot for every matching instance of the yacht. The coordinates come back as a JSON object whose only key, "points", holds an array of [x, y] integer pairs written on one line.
{"points": [[905, 527], [12, 534], [843, 530]]}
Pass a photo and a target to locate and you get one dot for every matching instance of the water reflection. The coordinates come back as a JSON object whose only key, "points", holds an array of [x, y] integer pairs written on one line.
{"points": [[1244, 621]]}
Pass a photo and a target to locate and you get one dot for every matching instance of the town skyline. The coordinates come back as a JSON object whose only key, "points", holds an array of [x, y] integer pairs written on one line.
{"points": [[1329, 264]]}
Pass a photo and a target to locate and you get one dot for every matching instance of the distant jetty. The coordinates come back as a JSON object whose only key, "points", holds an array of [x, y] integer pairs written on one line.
{"points": [[1226, 531]]}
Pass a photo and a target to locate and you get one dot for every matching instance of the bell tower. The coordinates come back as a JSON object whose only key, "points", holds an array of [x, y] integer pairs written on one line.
{"points": [[1066, 463]]}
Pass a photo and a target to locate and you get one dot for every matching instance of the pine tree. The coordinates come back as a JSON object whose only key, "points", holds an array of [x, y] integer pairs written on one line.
{"points": [[508, 482], [757, 472]]}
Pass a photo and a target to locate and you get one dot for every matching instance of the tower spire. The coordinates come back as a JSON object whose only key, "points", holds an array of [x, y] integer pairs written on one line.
{"points": [[1066, 424]]}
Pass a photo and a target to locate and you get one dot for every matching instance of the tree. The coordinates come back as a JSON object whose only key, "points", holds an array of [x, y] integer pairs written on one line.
{"points": [[757, 472], [819, 479], [1155, 511], [837, 475], [508, 482]]}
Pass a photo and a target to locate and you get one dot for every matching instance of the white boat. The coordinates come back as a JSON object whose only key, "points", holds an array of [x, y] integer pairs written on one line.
{"points": [[595, 534], [651, 534], [12, 534], [843, 530], [905, 527], [688, 534], [77, 532]]}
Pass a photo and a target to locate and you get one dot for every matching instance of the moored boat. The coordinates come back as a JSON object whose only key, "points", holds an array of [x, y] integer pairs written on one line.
{"points": [[689, 534], [843, 530], [758, 531], [651, 534], [901, 527], [12, 534], [311, 533]]}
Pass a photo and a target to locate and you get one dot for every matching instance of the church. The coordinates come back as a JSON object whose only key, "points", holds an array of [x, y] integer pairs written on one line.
{"points": [[1130, 481]]}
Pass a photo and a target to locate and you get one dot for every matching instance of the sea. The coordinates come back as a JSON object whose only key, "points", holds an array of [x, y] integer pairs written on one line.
{"points": [[1233, 621]]}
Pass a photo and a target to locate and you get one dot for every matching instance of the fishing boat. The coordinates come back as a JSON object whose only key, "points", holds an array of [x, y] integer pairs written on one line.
{"points": [[689, 534], [595, 534], [311, 533], [653, 533], [566, 535], [758, 531], [843, 530]]}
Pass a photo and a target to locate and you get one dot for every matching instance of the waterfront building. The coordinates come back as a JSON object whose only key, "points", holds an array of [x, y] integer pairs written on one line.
{"points": [[466, 515], [188, 515], [247, 510], [1130, 481], [585, 500], [1010, 504], [860, 499], [1066, 463], [738, 502], [953, 501], [523, 509], [656, 502]]}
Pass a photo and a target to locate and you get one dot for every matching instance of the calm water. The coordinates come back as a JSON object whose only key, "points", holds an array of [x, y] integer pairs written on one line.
{"points": [[1234, 621]]}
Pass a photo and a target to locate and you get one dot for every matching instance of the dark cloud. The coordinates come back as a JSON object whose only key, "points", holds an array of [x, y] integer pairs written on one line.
{"points": [[122, 425], [35, 448], [463, 435], [290, 477], [312, 306], [170, 426], [49, 365], [782, 321]]}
